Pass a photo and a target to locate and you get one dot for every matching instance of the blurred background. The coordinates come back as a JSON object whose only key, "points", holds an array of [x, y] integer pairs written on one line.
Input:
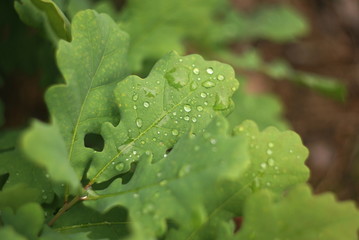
{"points": [[302, 52]]}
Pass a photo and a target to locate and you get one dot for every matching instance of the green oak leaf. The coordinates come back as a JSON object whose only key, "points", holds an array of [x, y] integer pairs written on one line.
{"points": [[277, 158], [23, 174], [91, 65], [264, 109], [53, 157], [49, 234], [57, 20], [27, 220], [278, 23], [180, 93], [156, 28], [18, 195], [9, 232], [276, 162], [80, 219], [177, 187], [298, 215]]}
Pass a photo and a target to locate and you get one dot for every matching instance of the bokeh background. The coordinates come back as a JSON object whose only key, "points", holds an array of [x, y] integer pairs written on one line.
{"points": [[328, 47]]}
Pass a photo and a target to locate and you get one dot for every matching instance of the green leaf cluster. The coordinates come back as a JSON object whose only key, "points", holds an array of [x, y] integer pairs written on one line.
{"points": [[167, 160]]}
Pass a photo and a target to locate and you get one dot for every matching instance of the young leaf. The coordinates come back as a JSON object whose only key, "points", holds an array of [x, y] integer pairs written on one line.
{"points": [[58, 21], [27, 220], [80, 219], [177, 187], [273, 164], [297, 216], [91, 65], [31, 178], [157, 28], [53, 157], [264, 109], [9, 232], [180, 93]]}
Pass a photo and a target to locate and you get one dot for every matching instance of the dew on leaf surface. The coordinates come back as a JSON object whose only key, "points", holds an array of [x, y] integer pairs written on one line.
{"points": [[220, 77], [196, 71], [203, 95], [213, 141], [177, 77], [186, 118], [163, 183], [269, 152], [174, 132], [209, 70], [184, 170], [146, 104], [194, 86], [120, 166], [194, 119], [139, 122], [271, 162], [208, 84], [136, 195], [200, 108], [270, 145], [187, 108], [135, 97], [263, 165]]}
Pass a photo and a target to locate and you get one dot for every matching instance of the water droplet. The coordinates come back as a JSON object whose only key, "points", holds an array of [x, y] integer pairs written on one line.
{"points": [[139, 122], [291, 151], [134, 152], [174, 113], [187, 108], [146, 104], [193, 86], [174, 132], [136, 195], [209, 70], [213, 141], [165, 155], [148, 152], [199, 108], [203, 95], [163, 183], [186, 118], [135, 107], [177, 77], [263, 165], [148, 208], [271, 162], [184, 170], [269, 152], [120, 167], [206, 103], [208, 84], [221, 103], [143, 142], [194, 119], [135, 97], [196, 71], [270, 145], [220, 77], [154, 139]]}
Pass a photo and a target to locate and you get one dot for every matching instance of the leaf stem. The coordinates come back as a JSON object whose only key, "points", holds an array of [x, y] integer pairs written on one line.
{"points": [[64, 209]]}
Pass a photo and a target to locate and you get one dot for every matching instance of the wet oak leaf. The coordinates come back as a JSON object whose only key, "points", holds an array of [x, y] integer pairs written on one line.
{"points": [[298, 215], [178, 186], [180, 93]]}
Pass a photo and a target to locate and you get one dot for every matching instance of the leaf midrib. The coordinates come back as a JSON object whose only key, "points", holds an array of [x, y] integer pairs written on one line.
{"points": [[103, 169]]}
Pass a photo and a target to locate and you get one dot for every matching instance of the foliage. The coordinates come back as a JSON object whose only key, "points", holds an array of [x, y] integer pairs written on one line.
{"points": [[166, 156]]}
